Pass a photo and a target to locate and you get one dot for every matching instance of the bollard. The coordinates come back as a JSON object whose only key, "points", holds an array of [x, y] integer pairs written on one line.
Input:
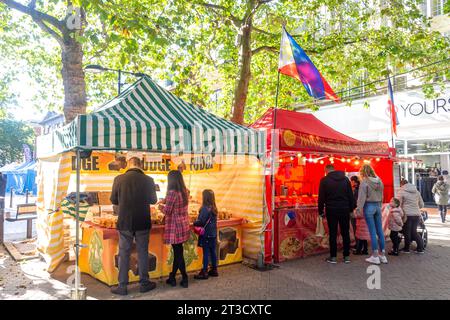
{"points": [[26, 195], [11, 198]]}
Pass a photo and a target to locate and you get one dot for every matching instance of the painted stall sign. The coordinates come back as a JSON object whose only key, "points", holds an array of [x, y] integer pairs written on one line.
{"points": [[110, 163]]}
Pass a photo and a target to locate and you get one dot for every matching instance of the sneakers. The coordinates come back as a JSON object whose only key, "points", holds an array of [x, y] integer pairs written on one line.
{"points": [[383, 259], [347, 260], [373, 260], [331, 260], [121, 291], [147, 287], [404, 251], [419, 251], [393, 253]]}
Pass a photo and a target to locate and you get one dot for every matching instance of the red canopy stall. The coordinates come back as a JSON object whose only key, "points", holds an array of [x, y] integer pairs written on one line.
{"points": [[303, 147]]}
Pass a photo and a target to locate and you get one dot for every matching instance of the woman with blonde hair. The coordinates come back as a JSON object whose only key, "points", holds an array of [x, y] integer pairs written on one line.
{"points": [[370, 197]]}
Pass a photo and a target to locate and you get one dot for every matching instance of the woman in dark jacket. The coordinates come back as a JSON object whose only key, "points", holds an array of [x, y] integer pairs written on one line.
{"points": [[207, 219]]}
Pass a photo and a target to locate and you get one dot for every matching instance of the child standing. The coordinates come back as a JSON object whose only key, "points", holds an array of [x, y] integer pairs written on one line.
{"points": [[395, 224], [362, 236], [208, 219]]}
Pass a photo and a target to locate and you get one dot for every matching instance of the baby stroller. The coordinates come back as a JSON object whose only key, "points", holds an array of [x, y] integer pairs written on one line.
{"points": [[421, 229]]}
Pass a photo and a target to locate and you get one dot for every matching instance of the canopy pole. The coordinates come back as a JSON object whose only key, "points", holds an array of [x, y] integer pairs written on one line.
{"points": [[77, 294], [272, 177]]}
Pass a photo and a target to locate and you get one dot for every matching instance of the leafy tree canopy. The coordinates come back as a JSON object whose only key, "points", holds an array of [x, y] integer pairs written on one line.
{"points": [[197, 45]]}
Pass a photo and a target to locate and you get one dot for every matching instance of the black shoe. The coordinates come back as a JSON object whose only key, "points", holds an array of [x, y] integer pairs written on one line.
{"points": [[122, 291], [171, 280], [393, 253], [365, 253], [202, 275], [184, 282], [331, 260], [147, 287], [404, 251], [213, 272], [357, 253], [419, 251]]}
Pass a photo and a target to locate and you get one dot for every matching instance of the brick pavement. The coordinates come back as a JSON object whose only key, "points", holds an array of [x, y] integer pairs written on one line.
{"points": [[406, 277]]}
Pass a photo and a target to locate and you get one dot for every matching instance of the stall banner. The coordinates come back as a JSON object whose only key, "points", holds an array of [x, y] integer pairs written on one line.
{"points": [[111, 163], [297, 236], [52, 181], [294, 140], [100, 256]]}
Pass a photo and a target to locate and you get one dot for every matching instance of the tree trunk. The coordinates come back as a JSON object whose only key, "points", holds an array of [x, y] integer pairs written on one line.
{"points": [[243, 80], [73, 79]]}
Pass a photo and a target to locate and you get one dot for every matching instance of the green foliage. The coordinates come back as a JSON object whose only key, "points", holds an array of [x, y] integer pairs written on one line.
{"points": [[197, 47], [13, 134]]}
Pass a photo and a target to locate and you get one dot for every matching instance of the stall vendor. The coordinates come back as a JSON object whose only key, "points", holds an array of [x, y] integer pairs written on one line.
{"points": [[133, 192]]}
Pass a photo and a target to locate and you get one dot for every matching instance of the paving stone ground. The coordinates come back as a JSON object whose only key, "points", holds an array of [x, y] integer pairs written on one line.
{"points": [[406, 277]]}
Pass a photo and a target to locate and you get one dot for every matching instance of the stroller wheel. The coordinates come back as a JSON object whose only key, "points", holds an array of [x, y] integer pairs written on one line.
{"points": [[425, 238]]}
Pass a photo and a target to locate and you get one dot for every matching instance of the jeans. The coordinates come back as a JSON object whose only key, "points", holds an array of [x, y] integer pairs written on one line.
{"points": [[178, 260], [410, 232], [125, 247], [341, 218], [443, 212], [372, 214], [209, 250], [395, 240]]}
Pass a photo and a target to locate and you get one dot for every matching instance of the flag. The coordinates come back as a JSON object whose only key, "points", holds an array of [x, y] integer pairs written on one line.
{"points": [[296, 64], [392, 111]]}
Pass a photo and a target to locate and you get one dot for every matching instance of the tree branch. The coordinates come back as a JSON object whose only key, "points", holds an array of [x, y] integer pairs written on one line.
{"points": [[265, 48], [35, 14], [258, 5], [265, 32], [234, 20], [50, 31]]}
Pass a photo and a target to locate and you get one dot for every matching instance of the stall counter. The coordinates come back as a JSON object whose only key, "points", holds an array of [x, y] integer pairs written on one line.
{"points": [[100, 256]]}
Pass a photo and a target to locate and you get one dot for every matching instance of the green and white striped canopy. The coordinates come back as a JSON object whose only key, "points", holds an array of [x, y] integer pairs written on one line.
{"points": [[149, 118]]}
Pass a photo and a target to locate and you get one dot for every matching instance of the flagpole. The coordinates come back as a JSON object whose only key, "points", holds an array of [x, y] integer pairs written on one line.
{"points": [[392, 116], [272, 165]]}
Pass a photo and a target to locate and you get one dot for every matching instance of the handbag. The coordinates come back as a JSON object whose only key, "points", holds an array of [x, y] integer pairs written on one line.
{"points": [[201, 230], [320, 230]]}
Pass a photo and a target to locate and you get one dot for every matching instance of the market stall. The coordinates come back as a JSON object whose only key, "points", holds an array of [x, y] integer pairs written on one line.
{"points": [[304, 146], [85, 156]]}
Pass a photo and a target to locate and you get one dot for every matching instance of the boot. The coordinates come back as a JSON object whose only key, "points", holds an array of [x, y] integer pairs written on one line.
{"points": [[184, 282], [213, 272], [202, 275], [120, 290], [171, 280]]}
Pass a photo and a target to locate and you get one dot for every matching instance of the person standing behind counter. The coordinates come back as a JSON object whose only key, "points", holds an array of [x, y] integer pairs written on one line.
{"points": [[133, 192], [176, 230]]}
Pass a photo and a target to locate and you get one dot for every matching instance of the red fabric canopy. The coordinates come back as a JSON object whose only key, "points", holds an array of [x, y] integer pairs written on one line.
{"points": [[304, 132]]}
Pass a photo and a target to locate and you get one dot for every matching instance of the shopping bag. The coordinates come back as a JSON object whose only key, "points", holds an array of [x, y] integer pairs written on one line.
{"points": [[320, 229]]}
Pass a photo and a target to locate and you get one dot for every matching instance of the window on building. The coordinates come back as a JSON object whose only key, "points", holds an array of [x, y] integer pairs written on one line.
{"points": [[400, 83], [437, 7], [423, 8]]}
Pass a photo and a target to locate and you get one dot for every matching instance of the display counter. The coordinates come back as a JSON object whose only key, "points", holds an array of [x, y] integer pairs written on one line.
{"points": [[295, 232], [100, 256]]}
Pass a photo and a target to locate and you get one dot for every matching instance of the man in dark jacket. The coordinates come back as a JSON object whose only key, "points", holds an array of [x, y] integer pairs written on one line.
{"points": [[133, 192], [337, 201]]}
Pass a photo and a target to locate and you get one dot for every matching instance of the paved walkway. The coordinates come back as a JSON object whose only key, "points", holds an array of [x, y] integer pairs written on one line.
{"points": [[406, 277]]}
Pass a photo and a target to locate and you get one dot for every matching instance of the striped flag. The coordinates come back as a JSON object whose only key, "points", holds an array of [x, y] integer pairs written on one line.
{"points": [[392, 111], [296, 64]]}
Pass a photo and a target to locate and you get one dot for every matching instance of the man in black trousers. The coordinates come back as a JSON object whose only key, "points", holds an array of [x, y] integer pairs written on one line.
{"points": [[336, 201], [133, 192]]}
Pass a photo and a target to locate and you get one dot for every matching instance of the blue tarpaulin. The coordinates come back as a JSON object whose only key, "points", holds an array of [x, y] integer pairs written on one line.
{"points": [[21, 177]]}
